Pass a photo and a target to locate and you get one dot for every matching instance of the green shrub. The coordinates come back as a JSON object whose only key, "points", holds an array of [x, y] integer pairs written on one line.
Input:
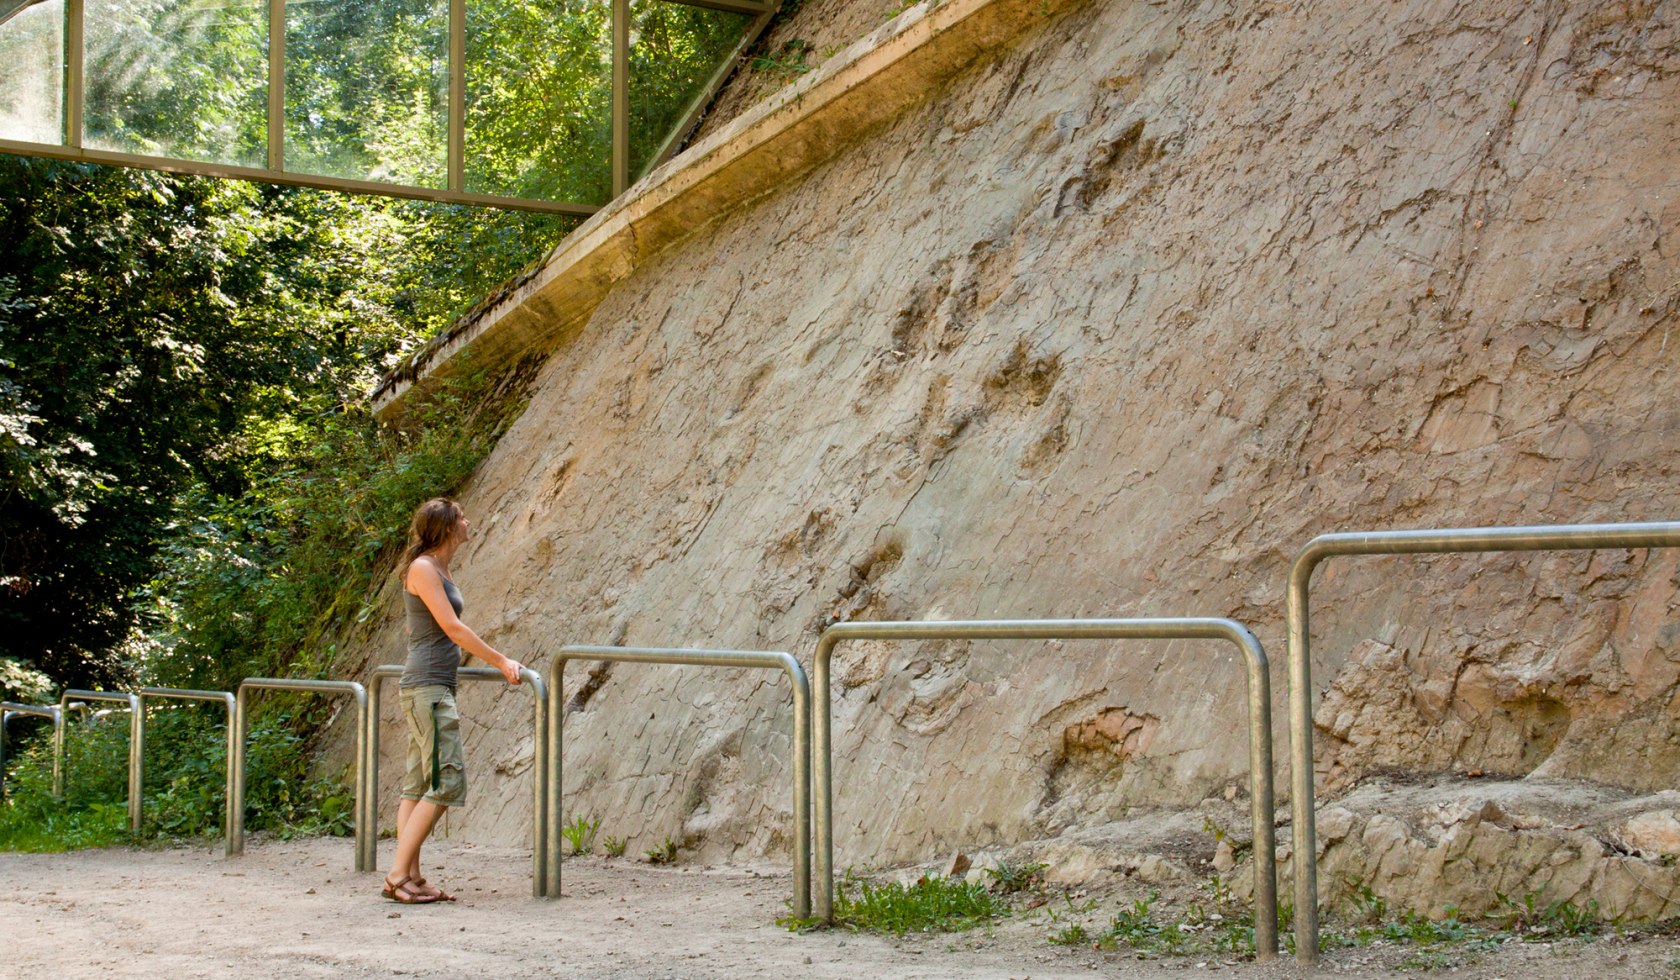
{"points": [[1010, 878], [665, 853], [269, 584], [184, 789]]}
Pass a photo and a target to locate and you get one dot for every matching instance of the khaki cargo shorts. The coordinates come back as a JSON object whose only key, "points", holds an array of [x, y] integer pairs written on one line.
{"points": [[436, 765]]}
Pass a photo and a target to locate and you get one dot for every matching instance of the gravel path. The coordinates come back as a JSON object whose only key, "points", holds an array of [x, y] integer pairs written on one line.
{"points": [[295, 909]]}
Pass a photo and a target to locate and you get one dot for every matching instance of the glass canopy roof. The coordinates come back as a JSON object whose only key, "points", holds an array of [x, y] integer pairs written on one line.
{"points": [[548, 105]]}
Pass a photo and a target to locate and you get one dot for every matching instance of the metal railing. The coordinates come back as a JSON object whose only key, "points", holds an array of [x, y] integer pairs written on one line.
{"points": [[10, 708], [227, 701], [695, 658], [136, 744], [236, 802], [1259, 724], [1575, 537], [539, 768]]}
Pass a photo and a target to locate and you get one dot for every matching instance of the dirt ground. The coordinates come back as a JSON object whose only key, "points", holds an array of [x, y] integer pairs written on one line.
{"points": [[296, 909]]}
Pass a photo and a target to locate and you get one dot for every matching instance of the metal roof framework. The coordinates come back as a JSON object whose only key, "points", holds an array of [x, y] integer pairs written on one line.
{"points": [[74, 88]]}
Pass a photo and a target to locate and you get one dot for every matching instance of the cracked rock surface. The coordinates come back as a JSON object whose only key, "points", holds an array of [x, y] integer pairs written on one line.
{"points": [[1112, 326]]}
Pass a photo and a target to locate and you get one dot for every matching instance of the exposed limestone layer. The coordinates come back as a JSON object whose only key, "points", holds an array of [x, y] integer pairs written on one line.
{"points": [[1422, 846], [1428, 847], [1113, 325]]}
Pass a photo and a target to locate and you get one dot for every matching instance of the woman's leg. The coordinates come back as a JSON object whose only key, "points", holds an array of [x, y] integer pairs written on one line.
{"points": [[411, 834]]}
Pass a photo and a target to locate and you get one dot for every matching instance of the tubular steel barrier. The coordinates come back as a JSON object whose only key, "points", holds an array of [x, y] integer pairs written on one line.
{"points": [[1576, 537], [695, 658], [136, 743], [227, 701], [53, 711], [236, 802], [539, 769], [1259, 724]]}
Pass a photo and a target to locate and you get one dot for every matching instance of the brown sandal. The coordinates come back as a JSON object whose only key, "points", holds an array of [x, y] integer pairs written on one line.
{"points": [[403, 890], [439, 896]]}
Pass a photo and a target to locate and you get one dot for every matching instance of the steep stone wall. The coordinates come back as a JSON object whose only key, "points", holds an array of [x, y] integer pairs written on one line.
{"points": [[1112, 325]]}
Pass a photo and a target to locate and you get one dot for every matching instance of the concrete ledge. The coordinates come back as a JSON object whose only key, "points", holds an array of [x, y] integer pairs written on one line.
{"points": [[899, 65]]}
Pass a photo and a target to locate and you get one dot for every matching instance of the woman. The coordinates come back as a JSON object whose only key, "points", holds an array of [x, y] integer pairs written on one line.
{"points": [[436, 777]]}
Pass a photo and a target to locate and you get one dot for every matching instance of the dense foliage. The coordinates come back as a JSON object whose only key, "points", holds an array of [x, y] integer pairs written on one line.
{"points": [[275, 578], [178, 350], [185, 783]]}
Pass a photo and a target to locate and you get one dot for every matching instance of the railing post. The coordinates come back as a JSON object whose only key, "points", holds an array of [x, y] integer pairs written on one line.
{"points": [[236, 835], [1436, 541], [236, 799], [1259, 727], [695, 658]]}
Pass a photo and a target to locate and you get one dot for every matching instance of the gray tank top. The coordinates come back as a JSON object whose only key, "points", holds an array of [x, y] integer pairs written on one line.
{"points": [[432, 656]]}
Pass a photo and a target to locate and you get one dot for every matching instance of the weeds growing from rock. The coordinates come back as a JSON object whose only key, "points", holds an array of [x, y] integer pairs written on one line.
{"points": [[580, 833], [1010, 878], [665, 853], [786, 62]]}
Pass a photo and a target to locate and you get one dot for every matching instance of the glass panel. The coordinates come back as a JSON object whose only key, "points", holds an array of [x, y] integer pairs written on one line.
{"points": [[367, 89], [178, 78], [674, 51], [539, 99], [32, 74]]}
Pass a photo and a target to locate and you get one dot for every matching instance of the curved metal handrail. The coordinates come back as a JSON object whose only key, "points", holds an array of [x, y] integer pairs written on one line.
{"points": [[52, 711], [696, 658], [136, 743], [227, 701], [236, 803], [1561, 537], [1168, 628]]}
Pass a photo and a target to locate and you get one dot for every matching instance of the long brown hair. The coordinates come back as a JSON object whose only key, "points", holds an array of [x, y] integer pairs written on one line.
{"points": [[434, 521]]}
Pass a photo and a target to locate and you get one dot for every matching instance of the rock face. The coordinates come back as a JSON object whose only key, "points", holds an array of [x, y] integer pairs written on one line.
{"points": [[1112, 325], [1484, 849]]}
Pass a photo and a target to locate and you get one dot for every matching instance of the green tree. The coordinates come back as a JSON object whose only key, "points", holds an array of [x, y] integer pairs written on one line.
{"points": [[167, 341], [125, 359]]}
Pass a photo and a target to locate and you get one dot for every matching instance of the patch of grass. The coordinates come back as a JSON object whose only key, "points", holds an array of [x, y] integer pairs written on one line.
{"points": [[580, 833], [1136, 926], [931, 904], [1072, 935], [665, 853], [37, 829], [614, 846], [1218, 927]]}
